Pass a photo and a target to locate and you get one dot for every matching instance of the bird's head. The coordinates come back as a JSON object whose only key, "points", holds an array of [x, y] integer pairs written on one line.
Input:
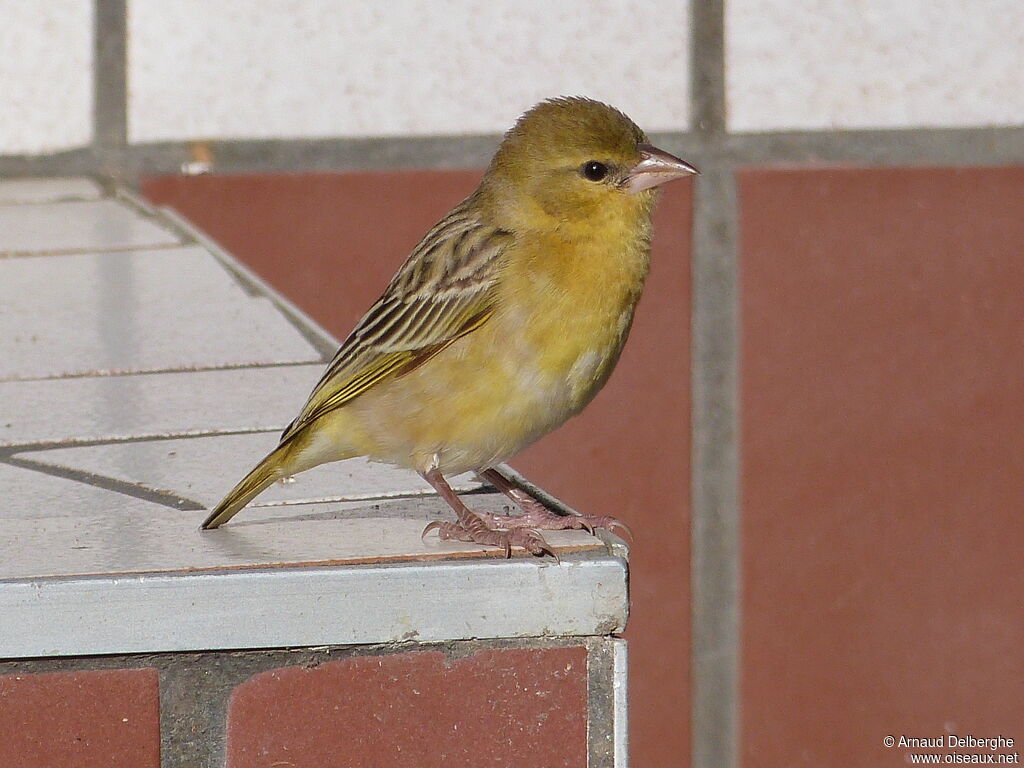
{"points": [[568, 160]]}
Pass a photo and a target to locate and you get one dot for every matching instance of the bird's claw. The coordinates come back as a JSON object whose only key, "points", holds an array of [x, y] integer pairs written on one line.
{"points": [[617, 525], [531, 541], [610, 524], [526, 538], [432, 526]]}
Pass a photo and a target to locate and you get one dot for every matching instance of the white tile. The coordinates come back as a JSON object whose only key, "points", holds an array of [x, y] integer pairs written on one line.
{"points": [[812, 64], [44, 190], [102, 561], [77, 226], [268, 607], [314, 68], [133, 311], [203, 469], [45, 75], [153, 405], [93, 532]]}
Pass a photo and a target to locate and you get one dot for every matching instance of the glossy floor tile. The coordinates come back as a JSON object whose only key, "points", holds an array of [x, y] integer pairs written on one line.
{"points": [[88, 531], [90, 408], [135, 311], [203, 469]]}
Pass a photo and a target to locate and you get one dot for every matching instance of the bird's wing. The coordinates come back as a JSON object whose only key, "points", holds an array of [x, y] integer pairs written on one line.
{"points": [[442, 292]]}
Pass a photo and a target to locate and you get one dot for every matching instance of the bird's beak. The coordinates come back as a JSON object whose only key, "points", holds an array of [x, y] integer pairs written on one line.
{"points": [[656, 167]]}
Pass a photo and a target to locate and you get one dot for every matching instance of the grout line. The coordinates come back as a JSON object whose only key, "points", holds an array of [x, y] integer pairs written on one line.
{"points": [[115, 373], [11, 449], [715, 489], [603, 723], [92, 250], [707, 69], [110, 86], [715, 509], [885, 147], [163, 498]]}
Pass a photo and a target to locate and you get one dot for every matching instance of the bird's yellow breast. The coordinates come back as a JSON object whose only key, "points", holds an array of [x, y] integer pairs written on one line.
{"points": [[562, 312], [570, 304]]}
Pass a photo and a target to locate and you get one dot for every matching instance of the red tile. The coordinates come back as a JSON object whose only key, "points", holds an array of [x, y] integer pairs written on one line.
{"points": [[330, 242], [94, 719], [883, 460], [513, 707]]}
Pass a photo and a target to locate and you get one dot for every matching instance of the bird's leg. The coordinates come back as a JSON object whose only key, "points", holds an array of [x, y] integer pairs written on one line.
{"points": [[475, 527], [536, 515]]}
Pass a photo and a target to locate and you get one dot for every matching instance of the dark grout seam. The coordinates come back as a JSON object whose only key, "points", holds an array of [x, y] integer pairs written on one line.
{"points": [[118, 373], [884, 147], [164, 498], [715, 524], [715, 512], [110, 85], [92, 251], [49, 445]]}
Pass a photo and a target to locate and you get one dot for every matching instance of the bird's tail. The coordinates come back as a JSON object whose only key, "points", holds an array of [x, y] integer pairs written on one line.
{"points": [[273, 467]]}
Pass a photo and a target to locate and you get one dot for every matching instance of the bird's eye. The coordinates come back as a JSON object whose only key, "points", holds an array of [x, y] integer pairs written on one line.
{"points": [[594, 171]]}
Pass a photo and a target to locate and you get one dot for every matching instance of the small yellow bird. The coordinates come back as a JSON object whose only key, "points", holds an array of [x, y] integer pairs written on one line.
{"points": [[505, 320]]}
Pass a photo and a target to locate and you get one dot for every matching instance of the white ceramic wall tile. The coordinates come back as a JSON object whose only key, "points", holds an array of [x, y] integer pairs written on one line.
{"points": [[134, 311], [820, 64], [314, 68], [153, 405], [48, 190], [203, 469], [77, 226], [45, 75]]}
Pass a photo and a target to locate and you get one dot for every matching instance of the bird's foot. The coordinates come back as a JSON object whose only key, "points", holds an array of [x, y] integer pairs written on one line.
{"points": [[541, 519], [521, 536], [538, 517]]}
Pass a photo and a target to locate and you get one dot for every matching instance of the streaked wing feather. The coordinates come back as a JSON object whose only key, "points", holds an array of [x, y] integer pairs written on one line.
{"points": [[442, 292]]}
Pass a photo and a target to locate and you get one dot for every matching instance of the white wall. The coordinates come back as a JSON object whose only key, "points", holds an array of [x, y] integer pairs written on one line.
{"points": [[820, 64], [45, 75], [344, 68]]}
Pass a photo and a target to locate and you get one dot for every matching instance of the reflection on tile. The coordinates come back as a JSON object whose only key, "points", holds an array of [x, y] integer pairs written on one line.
{"points": [[77, 226], [203, 469], [133, 537], [29, 495], [43, 190], [134, 311], [153, 405]]}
